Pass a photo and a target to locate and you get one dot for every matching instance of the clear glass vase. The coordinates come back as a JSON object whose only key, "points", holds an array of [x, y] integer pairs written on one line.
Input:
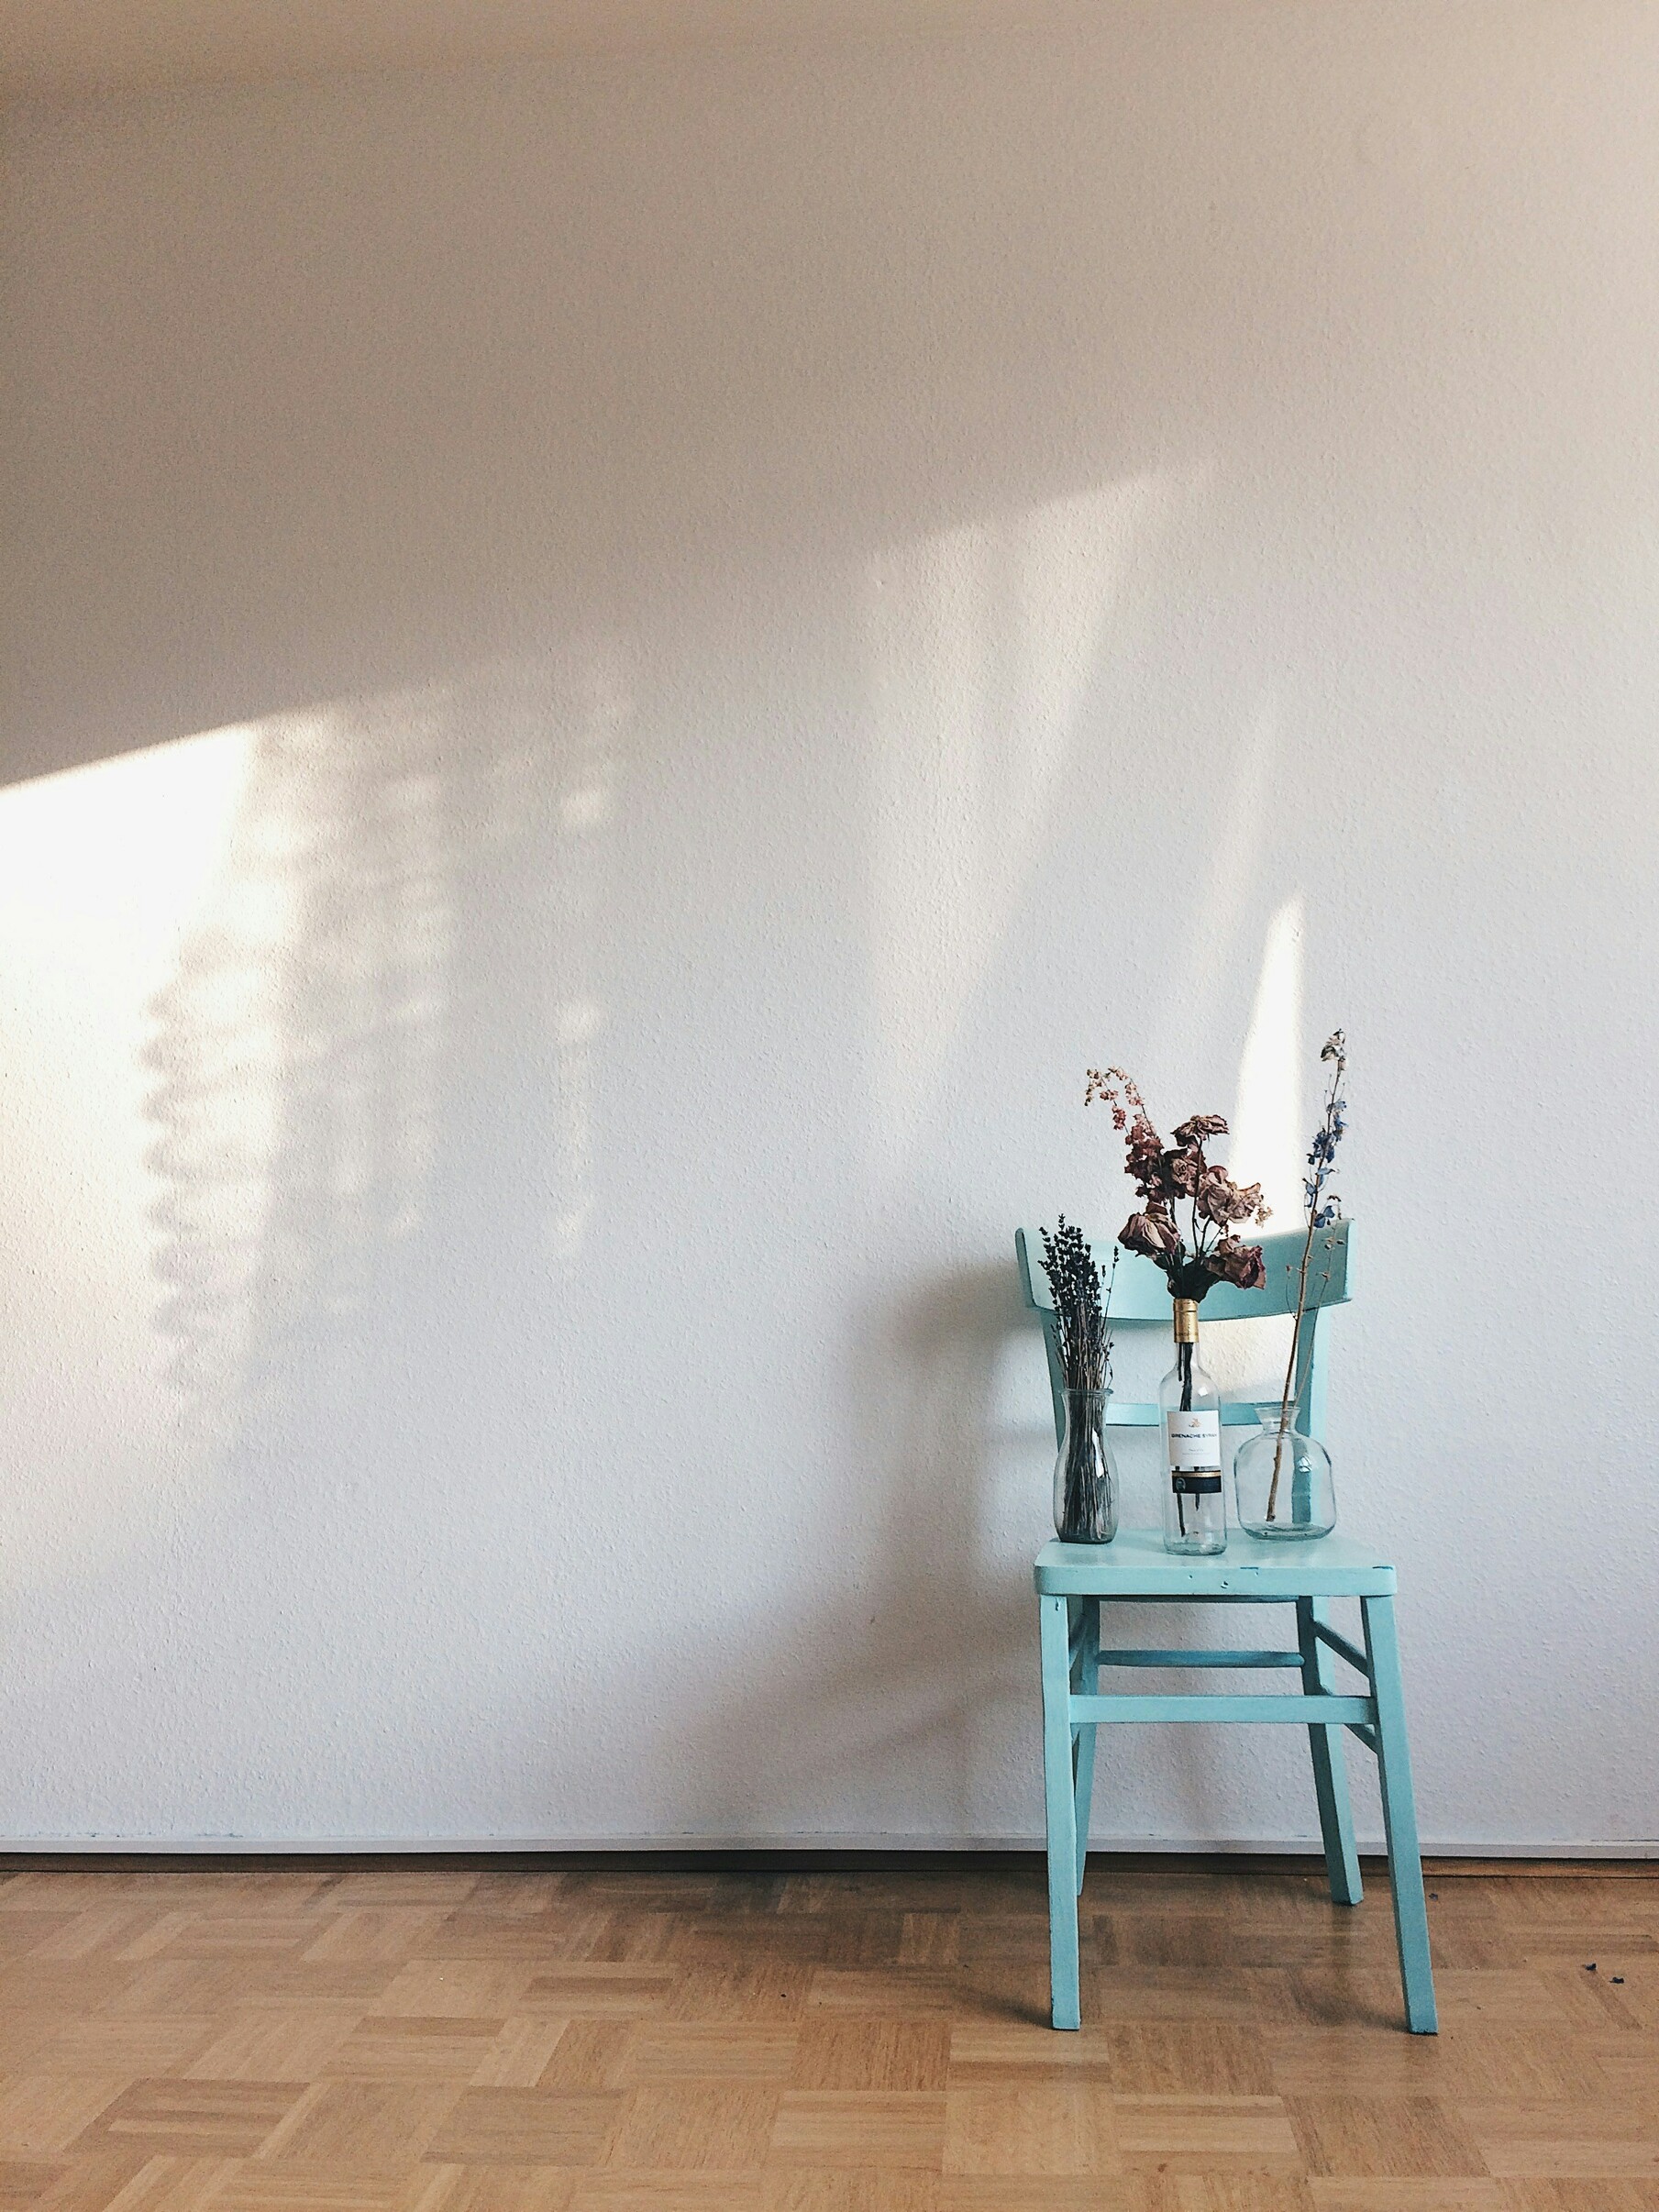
{"points": [[1281, 1480], [1085, 1479]]}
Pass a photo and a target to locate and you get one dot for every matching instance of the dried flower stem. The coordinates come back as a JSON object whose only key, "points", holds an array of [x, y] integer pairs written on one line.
{"points": [[1322, 1210]]}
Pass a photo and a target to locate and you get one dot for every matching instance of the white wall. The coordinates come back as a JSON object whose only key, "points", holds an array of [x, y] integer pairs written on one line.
{"points": [[621, 673]]}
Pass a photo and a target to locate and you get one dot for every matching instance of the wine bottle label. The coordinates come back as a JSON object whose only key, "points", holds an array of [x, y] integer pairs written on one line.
{"points": [[1195, 1454]]}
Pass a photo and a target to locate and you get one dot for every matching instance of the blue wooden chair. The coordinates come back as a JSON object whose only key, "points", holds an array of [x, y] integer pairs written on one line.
{"points": [[1075, 1580]]}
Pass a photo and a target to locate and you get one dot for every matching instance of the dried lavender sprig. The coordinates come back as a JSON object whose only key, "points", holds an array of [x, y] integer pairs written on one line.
{"points": [[1073, 1280]]}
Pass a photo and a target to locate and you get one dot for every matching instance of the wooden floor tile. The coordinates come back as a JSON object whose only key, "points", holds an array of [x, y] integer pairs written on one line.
{"points": [[1603, 2195], [25, 2032], [930, 1939], [283, 2185], [1530, 2136], [1403, 2137], [840, 2051], [361, 2127], [858, 2128], [119, 2043], [529, 2127], [97, 1931], [894, 2189], [192, 2119], [1037, 2193], [40, 2114], [485, 2188], [311, 1984], [1189, 2058], [405, 2046], [1618, 2067], [999, 2050], [696, 2124], [1253, 1998], [1376, 2193], [430, 1888], [588, 2054], [674, 2190], [602, 1987], [73, 1987], [1032, 2127], [1222, 2193], [222, 1935], [663, 2049], [1208, 2135], [23, 2181], [905, 1991], [541, 1939], [170, 2184], [462, 1989], [1380, 2062], [366, 1935], [520, 2055], [740, 1993], [272, 2046]]}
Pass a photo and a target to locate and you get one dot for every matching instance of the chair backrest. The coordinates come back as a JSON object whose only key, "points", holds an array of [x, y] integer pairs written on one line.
{"points": [[1140, 1299]]}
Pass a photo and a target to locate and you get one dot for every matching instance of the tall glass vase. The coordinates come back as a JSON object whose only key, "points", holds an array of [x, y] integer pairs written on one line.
{"points": [[1085, 1480]]}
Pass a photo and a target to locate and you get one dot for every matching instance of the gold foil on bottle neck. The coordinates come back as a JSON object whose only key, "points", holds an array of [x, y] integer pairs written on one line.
{"points": [[1186, 1321]]}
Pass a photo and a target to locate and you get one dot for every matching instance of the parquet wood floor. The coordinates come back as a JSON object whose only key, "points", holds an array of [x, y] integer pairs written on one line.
{"points": [[625, 2039]]}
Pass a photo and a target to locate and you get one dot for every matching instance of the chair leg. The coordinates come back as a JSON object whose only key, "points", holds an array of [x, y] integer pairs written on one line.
{"points": [[1058, 1785], [1399, 1817], [1330, 1767], [1088, 1683]]}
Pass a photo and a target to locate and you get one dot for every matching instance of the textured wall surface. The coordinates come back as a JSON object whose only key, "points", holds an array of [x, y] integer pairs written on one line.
{"points": [[619, 673]]}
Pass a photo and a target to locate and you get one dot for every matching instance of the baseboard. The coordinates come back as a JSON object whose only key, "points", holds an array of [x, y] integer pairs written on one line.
{"points": [[1446, 1848]]}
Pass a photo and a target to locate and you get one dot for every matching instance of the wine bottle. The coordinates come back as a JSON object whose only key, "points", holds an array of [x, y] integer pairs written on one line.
{"points": [[1195, 1516]]}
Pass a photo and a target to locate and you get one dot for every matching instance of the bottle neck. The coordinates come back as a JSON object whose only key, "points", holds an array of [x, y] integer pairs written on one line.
{"points": [[1186, 1321]]}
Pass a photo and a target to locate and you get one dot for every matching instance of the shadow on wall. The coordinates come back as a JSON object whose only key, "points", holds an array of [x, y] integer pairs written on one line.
{"points": [[391, 977], [368, 1152], [895, 1676]]}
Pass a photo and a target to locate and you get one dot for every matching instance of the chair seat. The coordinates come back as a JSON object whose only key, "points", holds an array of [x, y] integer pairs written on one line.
{"points": [[1135, 1565]]}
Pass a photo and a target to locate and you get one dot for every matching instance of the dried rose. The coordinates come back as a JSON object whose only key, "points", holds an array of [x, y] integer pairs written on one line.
{"points": [[1221, 1200], [1150, 1232], [1198, 1126], [1183, 1169], [1238, 1264], [1144, 1152]]}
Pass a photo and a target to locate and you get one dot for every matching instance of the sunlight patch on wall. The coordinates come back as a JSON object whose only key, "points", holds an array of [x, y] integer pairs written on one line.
{"points": [[1268, 1138], [1221, 888], [984, 642], [104, 873], [291, 1049], [588, 767]]}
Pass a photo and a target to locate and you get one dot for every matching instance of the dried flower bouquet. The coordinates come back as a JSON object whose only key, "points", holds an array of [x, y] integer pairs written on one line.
{"points": [[1205, 1249]]}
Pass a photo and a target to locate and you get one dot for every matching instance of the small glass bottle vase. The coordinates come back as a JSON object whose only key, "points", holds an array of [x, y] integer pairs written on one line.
{"points": [[1085, 1480], [1281, 1480]]}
